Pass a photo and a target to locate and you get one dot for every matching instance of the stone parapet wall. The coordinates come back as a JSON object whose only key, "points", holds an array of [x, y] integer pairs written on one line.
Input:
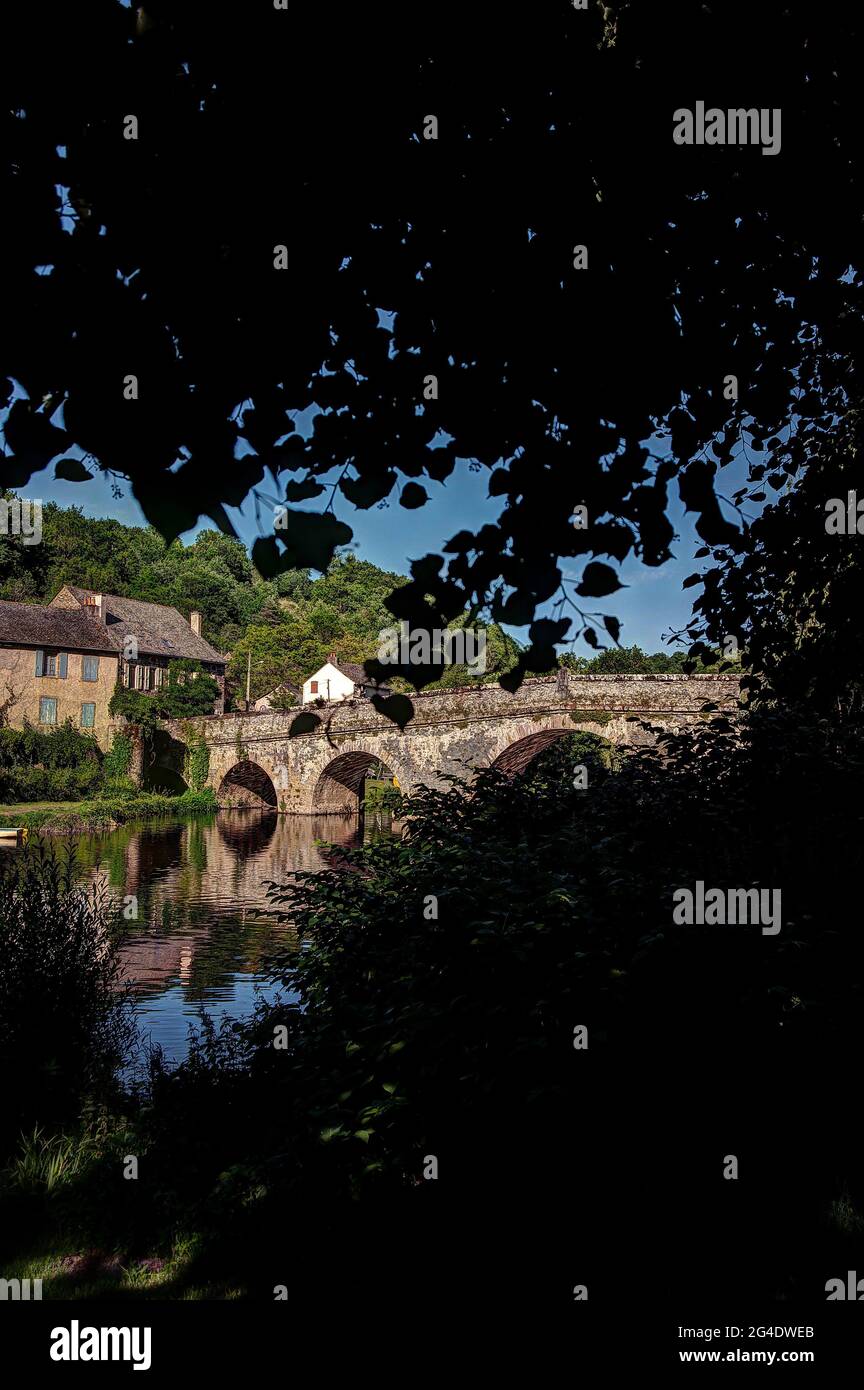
{"points": [[645, 695]]}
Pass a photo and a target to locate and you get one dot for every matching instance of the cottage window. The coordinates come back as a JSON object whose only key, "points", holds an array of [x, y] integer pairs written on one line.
{"points": [[160, 677], [313, 687], [47, 710], [51, 664], [89, 668], [88, 716]]}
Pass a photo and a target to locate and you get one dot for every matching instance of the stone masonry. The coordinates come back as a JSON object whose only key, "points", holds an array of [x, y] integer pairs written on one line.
{"points": [[254, 761]]}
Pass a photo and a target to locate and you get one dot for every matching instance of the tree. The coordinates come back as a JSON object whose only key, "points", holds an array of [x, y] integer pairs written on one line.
{"points": [[716, 297]]}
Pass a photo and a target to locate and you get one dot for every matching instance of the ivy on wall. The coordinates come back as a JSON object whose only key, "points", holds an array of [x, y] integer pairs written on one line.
{"points": [[118, 760], [196, 765]]}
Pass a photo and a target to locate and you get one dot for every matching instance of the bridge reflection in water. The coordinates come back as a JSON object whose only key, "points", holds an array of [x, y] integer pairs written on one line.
{"points": [[198, 941]]}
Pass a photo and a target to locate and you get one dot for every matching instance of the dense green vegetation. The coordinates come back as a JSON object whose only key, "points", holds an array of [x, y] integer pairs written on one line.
{"points": [[64, 1011], [434, 1011], [61, 764]]}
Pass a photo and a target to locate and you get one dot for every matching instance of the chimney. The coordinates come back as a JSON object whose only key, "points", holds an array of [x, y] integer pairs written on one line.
{"points": [[96, 604], [332, 658], [195, 622]]}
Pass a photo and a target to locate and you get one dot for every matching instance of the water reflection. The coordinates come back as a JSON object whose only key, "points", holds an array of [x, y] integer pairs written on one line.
{"points": [[197, 941]]}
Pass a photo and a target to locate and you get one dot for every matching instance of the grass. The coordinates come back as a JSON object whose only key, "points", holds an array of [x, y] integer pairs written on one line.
{"points": [[70, 1273], [46, 1161], [102, 813]]}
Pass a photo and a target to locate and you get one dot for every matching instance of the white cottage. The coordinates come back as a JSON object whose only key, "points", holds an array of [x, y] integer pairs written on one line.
{"points": [[340, 680]]}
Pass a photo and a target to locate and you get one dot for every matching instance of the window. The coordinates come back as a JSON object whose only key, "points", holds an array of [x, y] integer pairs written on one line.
{"points": [[160, 677], [51, 664], [88, 716], [47, 710], [89, 668], [139, 677], [313, 687]]}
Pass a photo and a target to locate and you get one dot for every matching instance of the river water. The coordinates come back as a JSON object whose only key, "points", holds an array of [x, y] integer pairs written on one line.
{"points": [[197, 943]]}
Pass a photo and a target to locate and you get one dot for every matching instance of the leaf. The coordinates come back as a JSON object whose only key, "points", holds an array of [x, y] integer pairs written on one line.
{"points": [[598, 580], [299, 491], [32, 438], [72, 471], [310, 540], [266, 556], [459, 544], [612, 626], [396, 707], [365, 492], [303, 724], [413, 495]]}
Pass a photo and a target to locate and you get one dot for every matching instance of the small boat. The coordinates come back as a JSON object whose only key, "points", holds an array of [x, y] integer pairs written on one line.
{"points": [[18, 833]]}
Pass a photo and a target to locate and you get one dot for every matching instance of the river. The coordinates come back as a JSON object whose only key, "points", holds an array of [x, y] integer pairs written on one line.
{"points": [[197, 943]]}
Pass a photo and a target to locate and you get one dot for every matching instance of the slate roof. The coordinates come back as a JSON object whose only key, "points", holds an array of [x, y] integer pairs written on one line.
{"points": [[354, 671], [158, 629], [31, 625]]}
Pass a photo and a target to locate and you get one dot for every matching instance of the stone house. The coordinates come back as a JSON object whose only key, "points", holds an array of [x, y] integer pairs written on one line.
{"points": [[62, 660]]}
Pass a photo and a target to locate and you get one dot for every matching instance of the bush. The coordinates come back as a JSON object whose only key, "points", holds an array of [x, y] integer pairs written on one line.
{"points": [[65, 1019], [62, 764], [26, 783], [64, 746]]}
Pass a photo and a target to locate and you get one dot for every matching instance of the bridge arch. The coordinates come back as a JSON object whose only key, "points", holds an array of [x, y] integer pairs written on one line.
{"points": [[518, 756], [163, 770], [247, 784], [339, 788]]}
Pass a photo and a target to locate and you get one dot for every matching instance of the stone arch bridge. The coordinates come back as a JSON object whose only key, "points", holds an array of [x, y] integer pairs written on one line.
{"points": [[254, 761]]}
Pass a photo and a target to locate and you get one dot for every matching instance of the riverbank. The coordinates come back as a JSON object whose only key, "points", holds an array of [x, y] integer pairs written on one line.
{"points": [[103, 813]]}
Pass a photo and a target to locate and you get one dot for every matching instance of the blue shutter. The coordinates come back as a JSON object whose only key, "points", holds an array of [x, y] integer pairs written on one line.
{"points": [[61, 664], [40, 663]]}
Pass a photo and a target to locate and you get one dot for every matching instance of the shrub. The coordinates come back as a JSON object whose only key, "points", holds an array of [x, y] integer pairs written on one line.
{"points": [[26, 783], [65, 1020]]}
